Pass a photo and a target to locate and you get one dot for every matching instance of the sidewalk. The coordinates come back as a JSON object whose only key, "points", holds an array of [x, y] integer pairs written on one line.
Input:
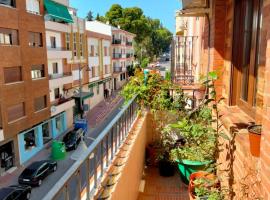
{"points": [[101, 110]]}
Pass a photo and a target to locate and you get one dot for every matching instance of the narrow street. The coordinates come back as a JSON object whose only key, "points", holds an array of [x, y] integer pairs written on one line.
{"points": [[63, 165]]}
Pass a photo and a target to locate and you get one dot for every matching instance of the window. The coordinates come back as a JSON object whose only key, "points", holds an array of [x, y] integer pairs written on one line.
{"points": [[247, 27], [30, 140], [55, 68], [74, 44], [68, 41], [12, 74], [37, 72], [105, 51], [93, 72], [56, 93], [40, 103], [35, 39], [8, 36], [8, 3], [81, 45], [53, 42], [16, 112], [58, 122], [98, 89], [92, 51], [32, 6]]}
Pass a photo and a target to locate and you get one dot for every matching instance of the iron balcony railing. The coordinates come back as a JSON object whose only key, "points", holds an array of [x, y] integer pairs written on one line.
{"points": [[116, 41], [86, 173], [129, 43], [117, 55]]}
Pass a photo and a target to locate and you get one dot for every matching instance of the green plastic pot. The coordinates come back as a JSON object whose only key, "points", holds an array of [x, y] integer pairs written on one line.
{"points": [[58, 150], [187, 167]]}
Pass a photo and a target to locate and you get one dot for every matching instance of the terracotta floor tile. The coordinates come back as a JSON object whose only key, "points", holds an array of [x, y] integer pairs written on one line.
{"points": [[163, 188]]}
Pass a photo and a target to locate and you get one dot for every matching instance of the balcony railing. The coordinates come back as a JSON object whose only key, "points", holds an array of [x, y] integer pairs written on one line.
{"points": [[56, 76], [86, 173], [117, 55], [116, 41], [129, 43], [129, 55], [117, 69]]}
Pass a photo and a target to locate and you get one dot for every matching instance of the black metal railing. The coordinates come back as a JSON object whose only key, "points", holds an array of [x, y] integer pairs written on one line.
{"points": [[117, 55], [129, 43], [185, 64], [116, 41], [87, 172]]}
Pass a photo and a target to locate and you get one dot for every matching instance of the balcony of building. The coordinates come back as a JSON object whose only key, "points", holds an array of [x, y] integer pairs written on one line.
{"points": [[57, 80], [116, 41], [62, 105], [129, 55], [129, 43], [56, 26], [117, 69], [58, 53], [117, 55]]}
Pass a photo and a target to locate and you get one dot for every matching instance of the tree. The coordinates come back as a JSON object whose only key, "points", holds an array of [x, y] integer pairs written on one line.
{"points": [[151, 37], [90, 16]]}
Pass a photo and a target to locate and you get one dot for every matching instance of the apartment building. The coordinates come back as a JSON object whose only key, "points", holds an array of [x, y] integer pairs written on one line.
{"points": [[99, 60], [122, 55], [24, 86], [76, 41], [57, 24]]}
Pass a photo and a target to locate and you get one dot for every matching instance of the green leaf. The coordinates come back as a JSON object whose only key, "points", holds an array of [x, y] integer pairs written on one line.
{"points": [[213, 75]]}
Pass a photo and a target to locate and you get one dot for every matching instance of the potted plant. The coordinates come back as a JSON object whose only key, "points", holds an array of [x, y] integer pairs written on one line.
{"points": [[165, 164], [198, 151], [204, 186], [255, 139]]}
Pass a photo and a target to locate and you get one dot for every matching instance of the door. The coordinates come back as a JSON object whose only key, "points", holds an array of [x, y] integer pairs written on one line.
{"points": [[7, 156], [115, 84]]}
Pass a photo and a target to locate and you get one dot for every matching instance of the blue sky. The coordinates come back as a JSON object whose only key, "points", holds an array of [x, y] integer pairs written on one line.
{"points": [[160, 9]]}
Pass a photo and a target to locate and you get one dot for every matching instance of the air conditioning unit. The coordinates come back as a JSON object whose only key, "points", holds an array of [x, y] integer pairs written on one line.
{"points": [[188, 4]]}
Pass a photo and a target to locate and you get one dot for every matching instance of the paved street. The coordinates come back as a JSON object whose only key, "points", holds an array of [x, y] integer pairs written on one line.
{"points": [[112, 108]]}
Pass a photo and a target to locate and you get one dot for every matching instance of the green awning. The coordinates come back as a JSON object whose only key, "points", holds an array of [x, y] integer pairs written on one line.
{"points": [[58, 11], [84, 95]]}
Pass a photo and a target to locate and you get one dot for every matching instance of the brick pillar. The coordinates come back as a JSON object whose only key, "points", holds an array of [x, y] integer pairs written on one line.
{"points": [[217, 41]]}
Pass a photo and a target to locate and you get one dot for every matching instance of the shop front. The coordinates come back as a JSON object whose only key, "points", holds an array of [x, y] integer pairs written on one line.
{"points": [[31, 141], [7, 156]]}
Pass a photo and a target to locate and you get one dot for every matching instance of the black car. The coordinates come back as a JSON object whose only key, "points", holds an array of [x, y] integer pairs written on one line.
{"points": [[36, 172], [72, 139], [15, 192]]}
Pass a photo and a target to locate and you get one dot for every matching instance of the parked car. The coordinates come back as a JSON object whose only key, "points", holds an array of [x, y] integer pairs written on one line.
{"points": [[15, 192], [72, 139], [35, 173]]}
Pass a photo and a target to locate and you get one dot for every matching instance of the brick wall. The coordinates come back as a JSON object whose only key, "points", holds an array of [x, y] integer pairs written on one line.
{"points": [[250, 178]]}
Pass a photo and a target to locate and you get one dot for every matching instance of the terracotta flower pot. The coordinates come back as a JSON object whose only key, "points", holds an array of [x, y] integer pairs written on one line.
{"points": [[193, 177], [255, 139]]}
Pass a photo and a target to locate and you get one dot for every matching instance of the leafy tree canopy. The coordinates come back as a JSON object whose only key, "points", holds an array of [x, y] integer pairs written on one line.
{"points": [[152, 38]]}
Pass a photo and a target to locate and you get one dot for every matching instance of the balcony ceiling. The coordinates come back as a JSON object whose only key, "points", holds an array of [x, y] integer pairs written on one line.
{"points": [[189, 4]]}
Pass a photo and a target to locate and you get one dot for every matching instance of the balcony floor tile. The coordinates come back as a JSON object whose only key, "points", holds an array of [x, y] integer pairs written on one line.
{"points": [[163, 188]]}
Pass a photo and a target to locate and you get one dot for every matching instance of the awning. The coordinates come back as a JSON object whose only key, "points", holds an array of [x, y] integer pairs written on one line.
{"points": [[93, 84], [58, 11], [85, 95]]}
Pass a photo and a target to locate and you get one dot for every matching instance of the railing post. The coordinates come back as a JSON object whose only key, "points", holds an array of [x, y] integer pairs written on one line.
{"points": [[101, 158], [95, 168], [112, 141], [88, 179], [79, 186], [107, 150]]}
